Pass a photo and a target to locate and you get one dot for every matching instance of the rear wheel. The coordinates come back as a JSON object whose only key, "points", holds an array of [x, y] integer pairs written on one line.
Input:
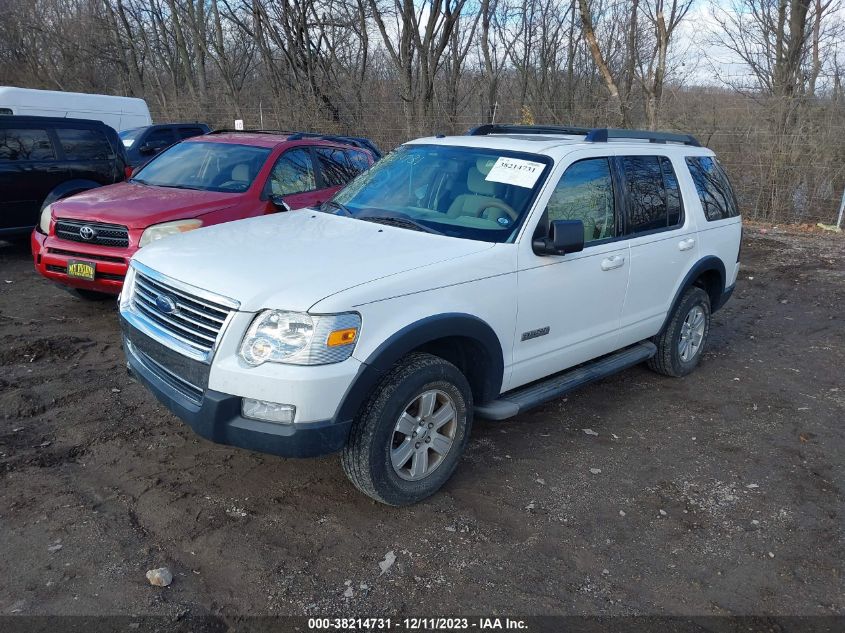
{"points": [[409, 437], [681, 344]]}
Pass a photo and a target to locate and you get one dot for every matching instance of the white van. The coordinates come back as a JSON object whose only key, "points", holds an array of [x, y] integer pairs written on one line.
{"points": [[121, 113]]}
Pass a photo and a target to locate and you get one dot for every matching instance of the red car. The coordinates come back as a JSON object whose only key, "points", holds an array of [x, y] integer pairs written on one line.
{"points": [[86, 241]]}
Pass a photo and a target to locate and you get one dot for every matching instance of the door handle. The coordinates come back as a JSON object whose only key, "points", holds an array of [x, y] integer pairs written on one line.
{"points": [[685, 245], [610, 263]]}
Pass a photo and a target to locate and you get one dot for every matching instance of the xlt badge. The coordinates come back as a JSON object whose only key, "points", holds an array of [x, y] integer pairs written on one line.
{"points": [[535, 333]]}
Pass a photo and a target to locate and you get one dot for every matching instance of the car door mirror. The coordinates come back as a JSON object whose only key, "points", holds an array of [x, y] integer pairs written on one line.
{"points": [[565, 236], [279, 203]]}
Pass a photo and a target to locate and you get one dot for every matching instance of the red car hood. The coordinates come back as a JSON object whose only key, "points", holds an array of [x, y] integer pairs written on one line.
{"points": [[139, 206]]}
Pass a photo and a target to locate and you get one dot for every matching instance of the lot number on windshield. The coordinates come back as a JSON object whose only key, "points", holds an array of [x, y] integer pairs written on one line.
{"points": [[514, 171]]}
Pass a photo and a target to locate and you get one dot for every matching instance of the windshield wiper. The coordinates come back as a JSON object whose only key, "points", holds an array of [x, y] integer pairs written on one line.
{"points": [[400, 222], [336, 205]]}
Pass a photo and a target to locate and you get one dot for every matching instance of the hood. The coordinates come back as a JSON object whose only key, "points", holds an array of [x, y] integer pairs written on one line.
{"points": [[293, 260], [139, 206]]}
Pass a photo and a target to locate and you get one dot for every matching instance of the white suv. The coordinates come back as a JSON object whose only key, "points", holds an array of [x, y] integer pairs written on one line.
{"points": [[468, 275]]}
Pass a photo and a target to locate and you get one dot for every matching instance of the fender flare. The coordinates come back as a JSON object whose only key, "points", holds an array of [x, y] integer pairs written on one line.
{"points": [[68, 188], [703, 265], [413, 336]]}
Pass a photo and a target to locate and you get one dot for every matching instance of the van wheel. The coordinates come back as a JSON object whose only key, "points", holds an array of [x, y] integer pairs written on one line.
{"points": [[408, 438], [681, 344]]}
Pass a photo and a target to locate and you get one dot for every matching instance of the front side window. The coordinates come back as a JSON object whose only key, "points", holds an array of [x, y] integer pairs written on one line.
{"points": [[714, 189], [25, 144], [84, 144], [5, 111], [466, 192], [585, 192], [188, 132], [293, 173], [224, 167]]}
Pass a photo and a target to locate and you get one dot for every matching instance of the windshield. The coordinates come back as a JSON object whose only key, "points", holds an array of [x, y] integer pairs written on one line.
{"points": [[224, 167], [480, 194], [128, 137]]}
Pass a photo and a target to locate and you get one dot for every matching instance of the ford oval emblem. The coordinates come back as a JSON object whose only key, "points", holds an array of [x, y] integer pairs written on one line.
{"points": [[166, 304], [87, 233]]}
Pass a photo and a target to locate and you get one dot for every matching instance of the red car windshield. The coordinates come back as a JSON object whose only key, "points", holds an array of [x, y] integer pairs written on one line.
{"points": [[223, 167]]}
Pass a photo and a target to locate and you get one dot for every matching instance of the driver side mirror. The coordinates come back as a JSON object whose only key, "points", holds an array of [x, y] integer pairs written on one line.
{"points": [[279, 203], [565, 236]]}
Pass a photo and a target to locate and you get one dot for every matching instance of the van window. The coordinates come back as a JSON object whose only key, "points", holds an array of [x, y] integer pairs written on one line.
{"points": [[714, 189], [585, 192], [84, 144], [25, 144], [6, 111]]}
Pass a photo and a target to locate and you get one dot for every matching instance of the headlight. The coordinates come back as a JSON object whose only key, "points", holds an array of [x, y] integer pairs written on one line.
{"points": [[44, 220], [296, 338], [158, 231]]}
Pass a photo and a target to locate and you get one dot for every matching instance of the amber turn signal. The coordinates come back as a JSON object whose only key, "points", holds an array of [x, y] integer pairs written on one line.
{"points": [[342, 337]]}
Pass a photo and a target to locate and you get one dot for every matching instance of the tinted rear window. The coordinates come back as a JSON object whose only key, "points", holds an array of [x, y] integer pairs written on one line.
{"points": [[25, 144], [654, 198], [82, 144], [714, 189]]}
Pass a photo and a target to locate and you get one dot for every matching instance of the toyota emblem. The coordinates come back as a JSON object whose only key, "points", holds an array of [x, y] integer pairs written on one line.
{"points": [[87, 233]]}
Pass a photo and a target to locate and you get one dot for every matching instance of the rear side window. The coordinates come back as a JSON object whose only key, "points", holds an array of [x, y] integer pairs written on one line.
{"points": [[25, 144], [84, 144], [585, 192], [334, 168], [654, 197], [714, 189], [359, 160]]}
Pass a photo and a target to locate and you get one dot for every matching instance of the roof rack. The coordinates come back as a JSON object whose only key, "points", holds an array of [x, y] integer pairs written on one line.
{"points": [[230, 131], [593, 135], [603, 135], [497, 128]]}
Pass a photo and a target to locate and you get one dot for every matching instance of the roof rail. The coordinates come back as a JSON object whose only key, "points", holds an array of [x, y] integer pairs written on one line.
{"points": [[230, 131], [497, 128], [593, 135], [603, 135]]}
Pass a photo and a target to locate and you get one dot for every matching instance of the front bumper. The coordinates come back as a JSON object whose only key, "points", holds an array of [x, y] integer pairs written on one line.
{"points": [[217, 417], [50, 256]]}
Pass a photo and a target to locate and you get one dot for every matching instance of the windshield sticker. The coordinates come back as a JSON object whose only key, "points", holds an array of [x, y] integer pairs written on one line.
{"points": [[514, 171]]}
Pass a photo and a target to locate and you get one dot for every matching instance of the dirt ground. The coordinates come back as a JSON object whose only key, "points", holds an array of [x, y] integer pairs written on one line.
{"points": [[720, 493]]}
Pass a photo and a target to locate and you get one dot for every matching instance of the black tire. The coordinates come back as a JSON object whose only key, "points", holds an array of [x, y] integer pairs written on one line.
{"points": [[668, 360], [366, 457], [92, 295]]}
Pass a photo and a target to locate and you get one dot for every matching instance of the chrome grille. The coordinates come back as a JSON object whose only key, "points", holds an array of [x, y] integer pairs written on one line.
{"points": [[196, 321], [93, 233]]}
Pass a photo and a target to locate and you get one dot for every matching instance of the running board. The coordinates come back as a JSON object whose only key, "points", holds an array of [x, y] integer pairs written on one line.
{"points": [[518, 400]]}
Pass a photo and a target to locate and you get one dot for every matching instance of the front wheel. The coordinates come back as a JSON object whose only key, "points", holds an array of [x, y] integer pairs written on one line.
{"points": [[407, 440], [681, 344]]}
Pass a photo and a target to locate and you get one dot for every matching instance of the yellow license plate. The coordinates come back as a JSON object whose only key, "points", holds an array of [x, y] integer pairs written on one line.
{"points": [[81, 270]]}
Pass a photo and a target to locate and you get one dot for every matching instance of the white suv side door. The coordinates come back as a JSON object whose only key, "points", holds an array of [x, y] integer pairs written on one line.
{"points": [[570, 306]]}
